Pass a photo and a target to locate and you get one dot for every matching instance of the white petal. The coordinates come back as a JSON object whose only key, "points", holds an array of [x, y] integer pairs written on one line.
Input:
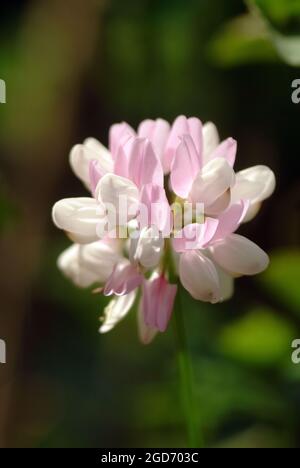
{"points": [[216, 177], [252, 212], [146, 333], [255, 184], [97, 260], [147, 248], [116, 310], [95, 145], [88, 264], [67, 262], [80, 217], [239, 256], [211, 140], [82, 155], [118, 194], [199, 276]]}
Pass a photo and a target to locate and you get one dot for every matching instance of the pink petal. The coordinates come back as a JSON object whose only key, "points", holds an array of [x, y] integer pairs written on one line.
{"points": [[179, 128], [95, 173], [118, 135], [124, 279], [195, 130], [167, 294], [154, 198], [144, 166], [150, 302], [146, 334], [157, 302], [157, 131], [195, 236], [121, 159], [230, 219], [185, 167], [227, 149], [146, 128], [219, 205], [182, 126], [121, 163]]}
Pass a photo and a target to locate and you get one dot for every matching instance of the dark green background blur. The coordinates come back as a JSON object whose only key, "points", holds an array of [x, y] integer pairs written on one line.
{"points": [[72, 68]]}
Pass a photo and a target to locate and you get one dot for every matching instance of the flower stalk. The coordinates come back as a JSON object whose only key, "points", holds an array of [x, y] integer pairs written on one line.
{"points": [[186, 376], [183, 359]]}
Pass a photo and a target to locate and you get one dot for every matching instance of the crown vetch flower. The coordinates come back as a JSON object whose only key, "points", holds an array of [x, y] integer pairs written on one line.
{"points": [[124, 232]]}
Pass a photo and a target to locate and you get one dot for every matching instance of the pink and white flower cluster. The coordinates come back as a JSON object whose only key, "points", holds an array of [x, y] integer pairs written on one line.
{"points": [[147, 179]]}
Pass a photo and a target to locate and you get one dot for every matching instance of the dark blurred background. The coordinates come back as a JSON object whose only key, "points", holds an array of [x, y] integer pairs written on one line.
{"points": [[73, 68]]}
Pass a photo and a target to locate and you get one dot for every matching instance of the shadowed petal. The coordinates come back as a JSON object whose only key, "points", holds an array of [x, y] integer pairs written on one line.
{"points": [[215, 179], [124, 279], [195, 236], [88, 264], [147, 249], [199, 276], [118, 194], [239, 256]]}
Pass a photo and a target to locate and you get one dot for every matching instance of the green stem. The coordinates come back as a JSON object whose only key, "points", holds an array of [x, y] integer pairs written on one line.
{"points": [[185, 371], [184, 362]]}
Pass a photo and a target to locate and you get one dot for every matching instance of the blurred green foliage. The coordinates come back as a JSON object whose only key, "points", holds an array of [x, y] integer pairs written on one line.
{"points": [[9, 212], [260, 338], [282, 14], [242, 41], [271, 30], [282, 278], [160, 58]]}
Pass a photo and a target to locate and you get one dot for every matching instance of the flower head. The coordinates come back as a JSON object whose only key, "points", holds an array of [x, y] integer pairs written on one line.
{"points": [[164, 200]]}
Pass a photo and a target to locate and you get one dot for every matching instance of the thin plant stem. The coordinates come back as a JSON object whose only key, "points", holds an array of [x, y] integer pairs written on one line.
{"points": [[183, 357], [186, 377]]}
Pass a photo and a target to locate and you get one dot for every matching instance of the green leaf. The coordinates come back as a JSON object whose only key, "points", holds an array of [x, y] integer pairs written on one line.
{"points": [[260, 338]]}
